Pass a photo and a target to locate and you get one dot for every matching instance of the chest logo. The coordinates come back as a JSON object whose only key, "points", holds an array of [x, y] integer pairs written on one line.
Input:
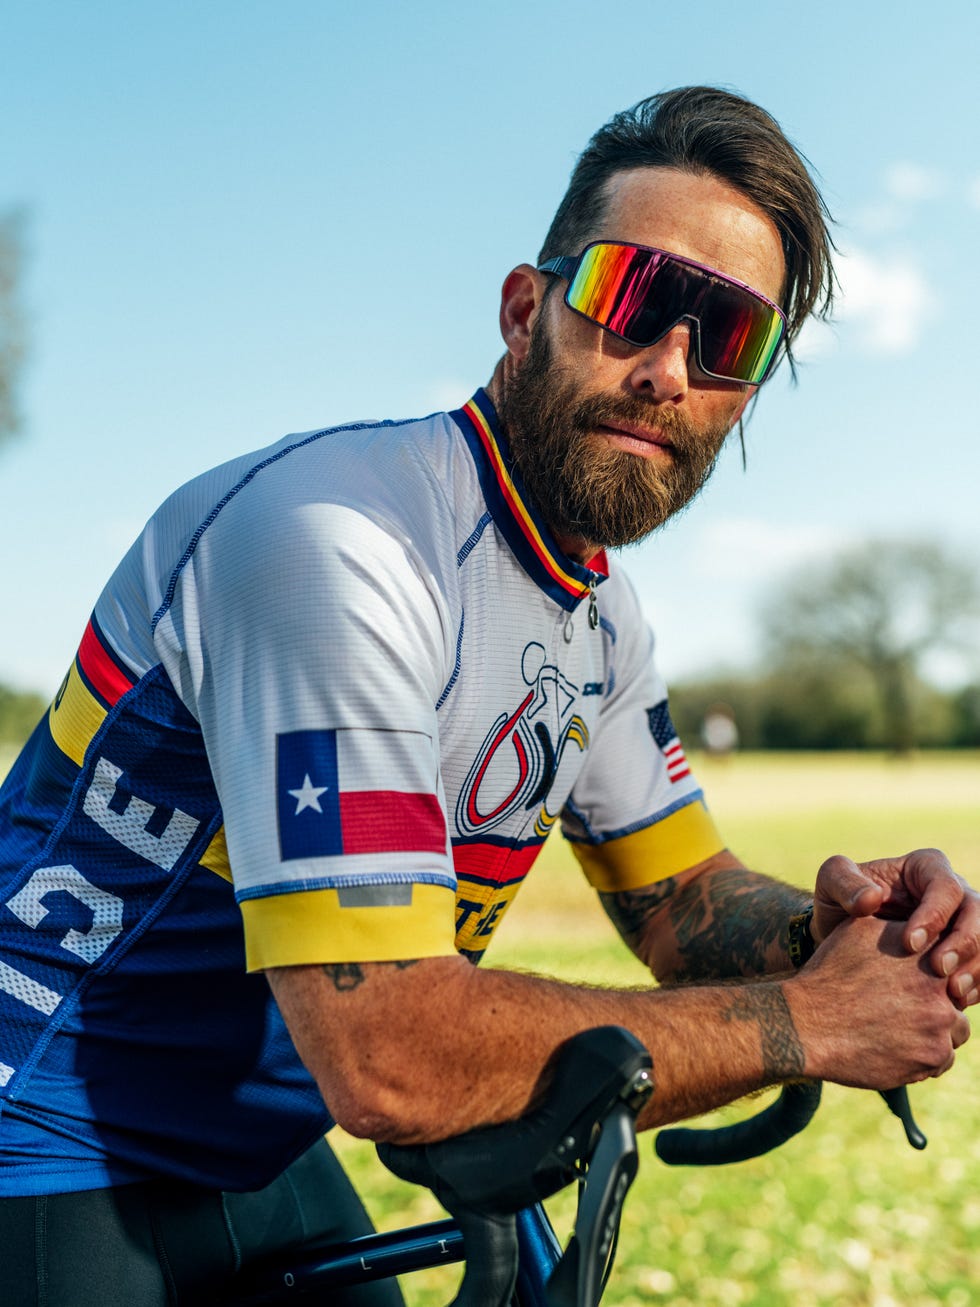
{"points": [[519, 759]]}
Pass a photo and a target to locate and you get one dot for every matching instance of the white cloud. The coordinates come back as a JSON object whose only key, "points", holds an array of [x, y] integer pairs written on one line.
{"points": [[734, 548], [883, 306], [913, 183], [880, 218], [887, 297], [816, 340]]}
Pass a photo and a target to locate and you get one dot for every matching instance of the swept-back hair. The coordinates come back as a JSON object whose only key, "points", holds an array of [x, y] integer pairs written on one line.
{"points": [[703, 129]]}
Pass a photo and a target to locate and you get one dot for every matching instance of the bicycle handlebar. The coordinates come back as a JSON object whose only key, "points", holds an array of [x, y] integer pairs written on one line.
{"points": [[584, 1128], [786, 1117], [484, 1177]]}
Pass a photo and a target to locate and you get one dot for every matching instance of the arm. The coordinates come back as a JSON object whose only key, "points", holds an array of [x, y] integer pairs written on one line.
{"points": [[719, 920], [716, 920], [411, 1052]]}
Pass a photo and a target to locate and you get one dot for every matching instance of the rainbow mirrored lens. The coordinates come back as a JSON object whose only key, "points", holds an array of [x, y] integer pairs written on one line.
{"points": [[640, 293]]}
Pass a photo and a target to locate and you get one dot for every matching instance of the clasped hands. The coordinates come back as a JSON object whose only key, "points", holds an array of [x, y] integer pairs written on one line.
{"points": [[940, 910]]}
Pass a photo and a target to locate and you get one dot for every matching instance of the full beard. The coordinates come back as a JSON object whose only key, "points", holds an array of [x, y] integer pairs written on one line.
{"points": [[582, 486]]}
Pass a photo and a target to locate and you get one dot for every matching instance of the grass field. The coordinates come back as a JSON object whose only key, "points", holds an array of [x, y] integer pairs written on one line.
{"points": [[846, 1215]]}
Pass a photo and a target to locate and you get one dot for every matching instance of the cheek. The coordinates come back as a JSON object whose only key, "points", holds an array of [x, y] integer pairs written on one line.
{"points": [[719, 410]]}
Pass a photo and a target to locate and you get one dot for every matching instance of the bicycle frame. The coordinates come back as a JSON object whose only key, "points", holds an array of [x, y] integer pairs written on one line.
{"points": [[311, 1275]]}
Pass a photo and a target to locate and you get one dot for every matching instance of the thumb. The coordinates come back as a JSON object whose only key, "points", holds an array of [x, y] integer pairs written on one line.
{"points": [[844, 890]]}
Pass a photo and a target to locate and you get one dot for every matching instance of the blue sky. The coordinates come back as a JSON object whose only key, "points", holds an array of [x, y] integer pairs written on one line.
{"points": [[249, 218]]}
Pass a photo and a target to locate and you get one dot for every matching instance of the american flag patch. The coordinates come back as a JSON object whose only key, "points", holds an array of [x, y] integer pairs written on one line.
{"points": [[662, 730]]}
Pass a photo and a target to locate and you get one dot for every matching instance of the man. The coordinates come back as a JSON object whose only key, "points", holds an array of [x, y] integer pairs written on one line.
{"points": [[341, 690]]}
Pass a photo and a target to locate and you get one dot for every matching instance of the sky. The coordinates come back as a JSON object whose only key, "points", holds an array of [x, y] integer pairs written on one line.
{"points": [[247, 218]]}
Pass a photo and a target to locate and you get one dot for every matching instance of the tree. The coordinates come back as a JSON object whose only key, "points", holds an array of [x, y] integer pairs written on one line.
{"points": [[882, 606], [13, 329]]}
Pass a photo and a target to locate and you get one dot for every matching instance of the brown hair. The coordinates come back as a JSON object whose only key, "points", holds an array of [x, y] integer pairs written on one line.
{"points": [[706, 129]]}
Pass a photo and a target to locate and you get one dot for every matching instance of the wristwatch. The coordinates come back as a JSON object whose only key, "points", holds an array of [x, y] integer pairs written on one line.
{"points": [[801, 943]]}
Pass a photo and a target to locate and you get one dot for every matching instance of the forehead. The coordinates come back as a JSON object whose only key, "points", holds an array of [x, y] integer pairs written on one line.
{"points": [[698, 216]]}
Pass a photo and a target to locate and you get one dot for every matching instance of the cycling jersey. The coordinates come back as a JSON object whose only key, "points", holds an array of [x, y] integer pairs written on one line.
{"points": [[327, 709]]}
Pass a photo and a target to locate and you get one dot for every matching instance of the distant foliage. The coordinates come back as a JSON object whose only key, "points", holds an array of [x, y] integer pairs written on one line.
{"points": [[873, 615], [847, 643], [19, 714], [823, 708]]}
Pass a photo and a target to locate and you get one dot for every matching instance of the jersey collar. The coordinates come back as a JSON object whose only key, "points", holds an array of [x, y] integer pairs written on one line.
{"points": [[565, 580]]}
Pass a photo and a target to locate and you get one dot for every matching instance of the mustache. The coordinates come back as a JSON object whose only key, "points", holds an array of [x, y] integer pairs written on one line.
{"points": [[599, 410]]}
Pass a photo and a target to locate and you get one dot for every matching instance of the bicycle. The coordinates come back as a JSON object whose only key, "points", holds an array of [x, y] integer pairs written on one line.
{"points": [[492, 1182]]}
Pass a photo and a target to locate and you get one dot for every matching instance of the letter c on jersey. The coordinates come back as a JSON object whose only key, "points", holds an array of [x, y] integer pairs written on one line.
{"points": [[106, 908]]}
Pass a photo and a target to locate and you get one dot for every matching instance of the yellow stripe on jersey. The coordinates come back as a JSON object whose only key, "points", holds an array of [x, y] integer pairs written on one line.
{"points": [[215, 856], [310, 926], [479, 911], [686, 837], [74, 717]]}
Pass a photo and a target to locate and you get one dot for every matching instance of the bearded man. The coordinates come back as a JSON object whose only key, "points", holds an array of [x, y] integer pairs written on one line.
{"points": [[324, 717]]}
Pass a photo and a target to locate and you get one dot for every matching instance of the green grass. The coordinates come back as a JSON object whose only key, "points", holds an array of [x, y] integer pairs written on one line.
{"points": [[846, 1215]]}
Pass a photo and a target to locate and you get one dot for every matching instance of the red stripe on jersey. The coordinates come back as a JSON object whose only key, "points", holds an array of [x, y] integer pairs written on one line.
{"points": [[520, 513], [389, 821], [100, 668], [494, 862]]}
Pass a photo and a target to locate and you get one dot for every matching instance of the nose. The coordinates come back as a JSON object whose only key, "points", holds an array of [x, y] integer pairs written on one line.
{"points": [[660, 370]]}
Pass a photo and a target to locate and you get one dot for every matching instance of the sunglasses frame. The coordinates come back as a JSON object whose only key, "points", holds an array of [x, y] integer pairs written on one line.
{"points": [[567, 266]]}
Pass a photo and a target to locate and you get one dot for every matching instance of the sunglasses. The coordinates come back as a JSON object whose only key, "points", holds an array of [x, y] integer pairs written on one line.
{"points": [[639, 294]]}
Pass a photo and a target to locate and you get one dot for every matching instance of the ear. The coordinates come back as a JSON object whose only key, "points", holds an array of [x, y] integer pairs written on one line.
{"points": [[520, 303]]}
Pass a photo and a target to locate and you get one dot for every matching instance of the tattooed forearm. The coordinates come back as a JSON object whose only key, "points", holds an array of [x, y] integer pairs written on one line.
{"points": [[350, 975], [632, 910], [732, 923], [782, 1052]]}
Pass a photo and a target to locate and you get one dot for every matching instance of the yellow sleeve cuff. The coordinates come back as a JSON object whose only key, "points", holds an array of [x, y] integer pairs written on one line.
{"points": [[311, 926], [679, 841]]}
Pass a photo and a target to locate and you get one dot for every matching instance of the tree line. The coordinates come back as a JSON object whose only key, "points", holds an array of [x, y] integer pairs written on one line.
{"points": [[847, 644]]}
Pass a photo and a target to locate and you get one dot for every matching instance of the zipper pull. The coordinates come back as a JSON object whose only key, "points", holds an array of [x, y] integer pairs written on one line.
{"points": [[593, 605]]}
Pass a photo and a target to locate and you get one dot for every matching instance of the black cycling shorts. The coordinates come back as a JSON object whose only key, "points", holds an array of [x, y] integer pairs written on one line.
{"points": [[163, 1242]]}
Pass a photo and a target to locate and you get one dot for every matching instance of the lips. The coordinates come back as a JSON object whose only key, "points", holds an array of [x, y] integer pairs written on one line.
{"points": [[628, 432]]}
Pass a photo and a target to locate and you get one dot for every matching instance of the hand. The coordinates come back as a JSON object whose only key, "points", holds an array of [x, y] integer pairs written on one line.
{"points": [[870, 1013], [940, 911]]}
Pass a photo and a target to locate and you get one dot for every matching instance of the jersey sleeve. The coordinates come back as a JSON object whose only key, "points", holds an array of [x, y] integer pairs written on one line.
{"points": [[636, 814], [313, 647]]}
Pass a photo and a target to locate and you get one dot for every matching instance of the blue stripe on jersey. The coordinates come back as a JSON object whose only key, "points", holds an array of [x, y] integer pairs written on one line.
{"points": [[504, 517]]}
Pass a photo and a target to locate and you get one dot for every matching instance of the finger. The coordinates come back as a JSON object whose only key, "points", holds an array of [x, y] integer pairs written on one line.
{"points": [[957, 954], [961, 1030], [942, 895], [842, 883], [962, 989]]}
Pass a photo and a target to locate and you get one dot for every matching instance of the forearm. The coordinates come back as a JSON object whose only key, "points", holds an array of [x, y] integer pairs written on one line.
{"points": [[439, 1047], [419, 1051], [720, 923]]}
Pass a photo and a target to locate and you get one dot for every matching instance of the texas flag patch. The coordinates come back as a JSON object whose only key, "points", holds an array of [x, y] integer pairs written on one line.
{"points": [[329, 802], [662, 730]]}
